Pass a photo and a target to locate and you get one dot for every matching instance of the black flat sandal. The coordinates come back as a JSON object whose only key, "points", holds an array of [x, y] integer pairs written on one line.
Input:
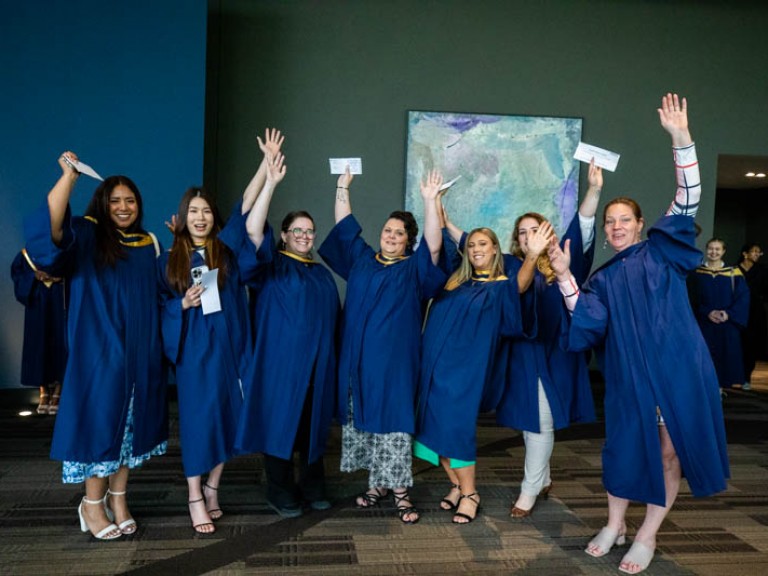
{"points": [[405, 509], [370, 499]]}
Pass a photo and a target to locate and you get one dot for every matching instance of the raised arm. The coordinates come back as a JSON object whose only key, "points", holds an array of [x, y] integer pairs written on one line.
{"points": [[673, 116], [560, 260], [270, 146], [343, 208], [274, 170], [588, 206], [433, 235], [537, 243], [445, 222], [58, 197]]}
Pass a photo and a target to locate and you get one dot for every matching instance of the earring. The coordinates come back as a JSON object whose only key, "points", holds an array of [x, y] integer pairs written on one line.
{"points": [[605, 243]]}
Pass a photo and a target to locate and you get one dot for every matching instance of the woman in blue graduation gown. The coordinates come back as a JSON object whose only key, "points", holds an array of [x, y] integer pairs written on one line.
{"points": [[547, 388], [291, 387], [209, 348], [44, 354], [113, 412], [462, 338], [663, 413], [720, 299], [381, 334]]}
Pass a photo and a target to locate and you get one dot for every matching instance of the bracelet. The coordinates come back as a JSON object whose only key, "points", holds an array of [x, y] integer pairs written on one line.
{"points": [[342, 187], [571, 295]]}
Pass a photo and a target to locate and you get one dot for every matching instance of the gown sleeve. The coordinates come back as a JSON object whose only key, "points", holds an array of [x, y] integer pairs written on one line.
{"points": [[234, 234], [343, 246], [253, 261], [47, 255], [172, 322], [738, 311], [23, 279], [673, 240]]}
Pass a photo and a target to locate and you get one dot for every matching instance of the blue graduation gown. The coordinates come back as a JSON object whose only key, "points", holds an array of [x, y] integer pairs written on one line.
{"points": [[634, 310], [462, 339], [44, 355], [295, 315], [381, 330], [722, 289], [211, 354], [114, 336], [564, 375]]}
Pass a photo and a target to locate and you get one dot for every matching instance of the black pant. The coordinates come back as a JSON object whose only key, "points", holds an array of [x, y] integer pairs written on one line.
{"points": [[282, 488]]}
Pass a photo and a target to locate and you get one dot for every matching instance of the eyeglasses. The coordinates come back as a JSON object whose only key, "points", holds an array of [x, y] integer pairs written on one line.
{"points": [[309, 232]]}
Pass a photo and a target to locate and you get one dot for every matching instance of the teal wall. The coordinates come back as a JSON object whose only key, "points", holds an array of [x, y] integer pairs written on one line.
{"points": [[122, 84], [338, 77]]}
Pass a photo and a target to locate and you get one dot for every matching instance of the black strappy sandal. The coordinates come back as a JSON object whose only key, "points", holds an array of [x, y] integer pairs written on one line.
{"points": [[370, 499], [467, 517], [451, 505], [405, 509]]}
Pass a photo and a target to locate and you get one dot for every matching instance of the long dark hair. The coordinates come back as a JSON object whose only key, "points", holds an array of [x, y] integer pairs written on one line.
{"points": [[108, 247], [217, 254]]}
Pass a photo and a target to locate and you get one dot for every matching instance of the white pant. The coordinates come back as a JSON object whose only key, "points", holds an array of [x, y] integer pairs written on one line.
{"points": [[538, 449]]}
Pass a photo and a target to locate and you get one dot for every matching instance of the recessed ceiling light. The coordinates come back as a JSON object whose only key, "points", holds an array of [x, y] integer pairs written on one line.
{"points": [[25, 413], [760, 175], [749, 174]]}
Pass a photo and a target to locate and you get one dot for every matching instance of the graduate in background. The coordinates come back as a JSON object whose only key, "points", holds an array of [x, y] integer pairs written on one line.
{"points": [[755, 335], [289, 403], [44, 354], [113, 414], [720, 300]]}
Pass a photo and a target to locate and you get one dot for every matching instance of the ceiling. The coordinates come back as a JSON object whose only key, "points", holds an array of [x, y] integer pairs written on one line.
{"points": [[731, 170]]}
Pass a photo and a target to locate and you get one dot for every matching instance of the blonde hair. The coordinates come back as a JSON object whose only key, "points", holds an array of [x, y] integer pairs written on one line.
{"points": [[542, 262], [464, 272]]}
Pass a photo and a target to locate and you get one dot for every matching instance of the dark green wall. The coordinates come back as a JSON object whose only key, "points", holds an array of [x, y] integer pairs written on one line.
{"points": [[338, 77]]}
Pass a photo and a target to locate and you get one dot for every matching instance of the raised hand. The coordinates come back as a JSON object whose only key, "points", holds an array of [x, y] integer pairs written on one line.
{"points": [[595, 177], [560, 259], [275, 169], [171, 224], [345, 179], [430, 186], [539, 240], [67, 167], [673, 116], [273, 140]]}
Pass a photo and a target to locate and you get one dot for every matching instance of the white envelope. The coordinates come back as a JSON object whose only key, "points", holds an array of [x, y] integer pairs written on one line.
{"points": [[339, 165], [603, 158], [210, 297]]}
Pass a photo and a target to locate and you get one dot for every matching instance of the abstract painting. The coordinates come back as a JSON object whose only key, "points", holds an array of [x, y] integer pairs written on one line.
{"points": [[508, 165]]}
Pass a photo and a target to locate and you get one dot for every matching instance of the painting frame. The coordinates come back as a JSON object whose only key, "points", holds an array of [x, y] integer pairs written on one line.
{"points": [[507, 165]]}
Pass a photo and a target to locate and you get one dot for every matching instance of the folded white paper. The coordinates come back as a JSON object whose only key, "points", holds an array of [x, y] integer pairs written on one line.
{"points": [[448, 184], [603, 158], [210, 296], [339, 165], [83, 168]]}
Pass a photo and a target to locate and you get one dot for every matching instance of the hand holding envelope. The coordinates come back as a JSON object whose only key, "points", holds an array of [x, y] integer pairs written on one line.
{"points": [[80, 167]]}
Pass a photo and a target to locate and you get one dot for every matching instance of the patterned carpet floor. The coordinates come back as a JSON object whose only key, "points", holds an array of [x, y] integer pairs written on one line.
{"points": [[724, 534]]}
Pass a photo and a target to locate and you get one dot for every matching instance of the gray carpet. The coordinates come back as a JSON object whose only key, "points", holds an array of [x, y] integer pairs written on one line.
{"points": [[725, 534]]}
